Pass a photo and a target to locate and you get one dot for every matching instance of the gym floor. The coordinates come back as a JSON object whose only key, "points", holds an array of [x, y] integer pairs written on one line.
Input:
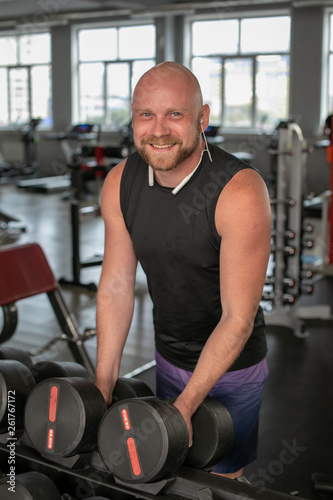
{"points": [[296, 428]]}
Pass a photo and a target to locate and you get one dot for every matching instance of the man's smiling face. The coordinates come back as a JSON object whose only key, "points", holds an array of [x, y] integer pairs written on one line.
{"points": [[166, 121]]}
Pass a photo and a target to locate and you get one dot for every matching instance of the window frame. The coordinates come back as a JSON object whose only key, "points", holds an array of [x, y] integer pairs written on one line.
{"points": [[189, 56], [12, 124], [76, 114]]}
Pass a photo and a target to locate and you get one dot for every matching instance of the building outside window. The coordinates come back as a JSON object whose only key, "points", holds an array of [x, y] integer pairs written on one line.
{"points": [[111, 60], [25, 79], [243, 68]]}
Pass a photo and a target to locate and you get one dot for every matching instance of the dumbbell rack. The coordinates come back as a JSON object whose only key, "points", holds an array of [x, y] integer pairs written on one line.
{"points": [[187, 483], [288, 231]]}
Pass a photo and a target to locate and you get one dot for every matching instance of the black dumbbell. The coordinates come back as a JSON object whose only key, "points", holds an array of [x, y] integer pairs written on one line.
{"points": [[146, 439], [16, 383], [43, 370], [16, 354], [213, 435], [62, 415], [28, 486]]}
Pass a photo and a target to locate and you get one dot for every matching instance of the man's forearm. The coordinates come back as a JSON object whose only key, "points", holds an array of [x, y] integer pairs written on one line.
{"points": [[221, 350], [114, 315]]}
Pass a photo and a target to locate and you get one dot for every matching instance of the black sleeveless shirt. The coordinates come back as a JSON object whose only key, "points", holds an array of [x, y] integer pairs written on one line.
{"points": [[177, 244]]}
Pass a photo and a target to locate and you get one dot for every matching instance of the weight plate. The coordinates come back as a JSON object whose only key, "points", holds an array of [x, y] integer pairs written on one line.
{"points": [[16, 383], [28, 486], [52, 369], [130, 388], [62, 416], [16, 354], [143, 440]]}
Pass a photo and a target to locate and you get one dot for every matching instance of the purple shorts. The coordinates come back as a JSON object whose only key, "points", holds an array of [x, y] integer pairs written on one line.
{"points": [[241, 393]]}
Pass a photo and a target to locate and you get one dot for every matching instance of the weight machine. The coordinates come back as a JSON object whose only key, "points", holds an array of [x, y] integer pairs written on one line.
{"points": [[291, 278]]}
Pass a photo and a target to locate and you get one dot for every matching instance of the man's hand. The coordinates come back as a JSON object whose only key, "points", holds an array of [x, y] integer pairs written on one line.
{"points": [[187, 417], [106, 391]]}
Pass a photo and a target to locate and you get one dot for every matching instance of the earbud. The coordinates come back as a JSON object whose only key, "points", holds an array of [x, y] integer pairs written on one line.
{"points": [[204, 136]]}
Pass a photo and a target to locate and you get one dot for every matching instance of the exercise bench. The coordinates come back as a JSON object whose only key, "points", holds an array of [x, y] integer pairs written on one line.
{"points": [[25, 272]]}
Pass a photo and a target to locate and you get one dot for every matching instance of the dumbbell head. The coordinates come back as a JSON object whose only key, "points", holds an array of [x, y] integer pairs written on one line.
{"points": [[62, 416], [16, 382], [143, 439], [213, 435], [16, 354], [28, 486], [51, 369], [130, 388]]}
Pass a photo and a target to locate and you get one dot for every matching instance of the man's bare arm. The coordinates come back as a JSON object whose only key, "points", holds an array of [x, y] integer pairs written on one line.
{"points": [[243, 219], [115, 298]]}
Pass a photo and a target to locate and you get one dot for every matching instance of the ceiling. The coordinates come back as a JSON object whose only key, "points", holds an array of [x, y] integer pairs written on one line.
{"points": [[39, 11], [17, 9], [36, 10]]}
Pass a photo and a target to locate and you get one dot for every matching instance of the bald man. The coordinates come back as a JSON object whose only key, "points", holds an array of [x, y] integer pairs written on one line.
{"points": [[198, 220]]}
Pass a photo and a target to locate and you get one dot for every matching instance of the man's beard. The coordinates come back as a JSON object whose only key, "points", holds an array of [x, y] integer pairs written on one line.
{"points": [[166, 162]]}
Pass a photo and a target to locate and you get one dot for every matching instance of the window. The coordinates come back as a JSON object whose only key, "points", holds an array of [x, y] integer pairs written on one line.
{"points": [[111, 60], [243, 68], [25, 79]]}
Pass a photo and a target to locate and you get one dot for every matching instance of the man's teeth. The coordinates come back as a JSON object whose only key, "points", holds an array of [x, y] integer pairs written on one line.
{"points": [[158, 146]]}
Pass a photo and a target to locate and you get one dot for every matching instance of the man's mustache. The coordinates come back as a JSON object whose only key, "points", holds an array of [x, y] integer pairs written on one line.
{"points": [[161, 141]]}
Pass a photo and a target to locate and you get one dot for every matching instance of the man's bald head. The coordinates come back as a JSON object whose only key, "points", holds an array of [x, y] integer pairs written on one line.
{"points": [[168, 74]]}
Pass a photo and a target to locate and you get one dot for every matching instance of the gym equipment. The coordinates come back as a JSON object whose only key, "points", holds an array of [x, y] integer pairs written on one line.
{"points": [[82, 132], [322, 483], [10, 228], [50, 369], [143, 440], [16, 354], [186, 483], [8, 321], [126, 388], [28, 486], [81, 169], [29, 166], [290, 279], [30, 139], [213, 435], [77, 263], [146, 439], [62, 415], [25, 272], [16, 383]]}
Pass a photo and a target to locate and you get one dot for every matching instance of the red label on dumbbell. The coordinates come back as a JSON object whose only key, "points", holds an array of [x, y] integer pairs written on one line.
{"points": [[133, 455], [50, 439], [125, 418], [53, 403]]}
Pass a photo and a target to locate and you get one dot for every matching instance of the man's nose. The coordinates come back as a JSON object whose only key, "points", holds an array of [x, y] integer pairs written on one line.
{"points": [[160, 127]]}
